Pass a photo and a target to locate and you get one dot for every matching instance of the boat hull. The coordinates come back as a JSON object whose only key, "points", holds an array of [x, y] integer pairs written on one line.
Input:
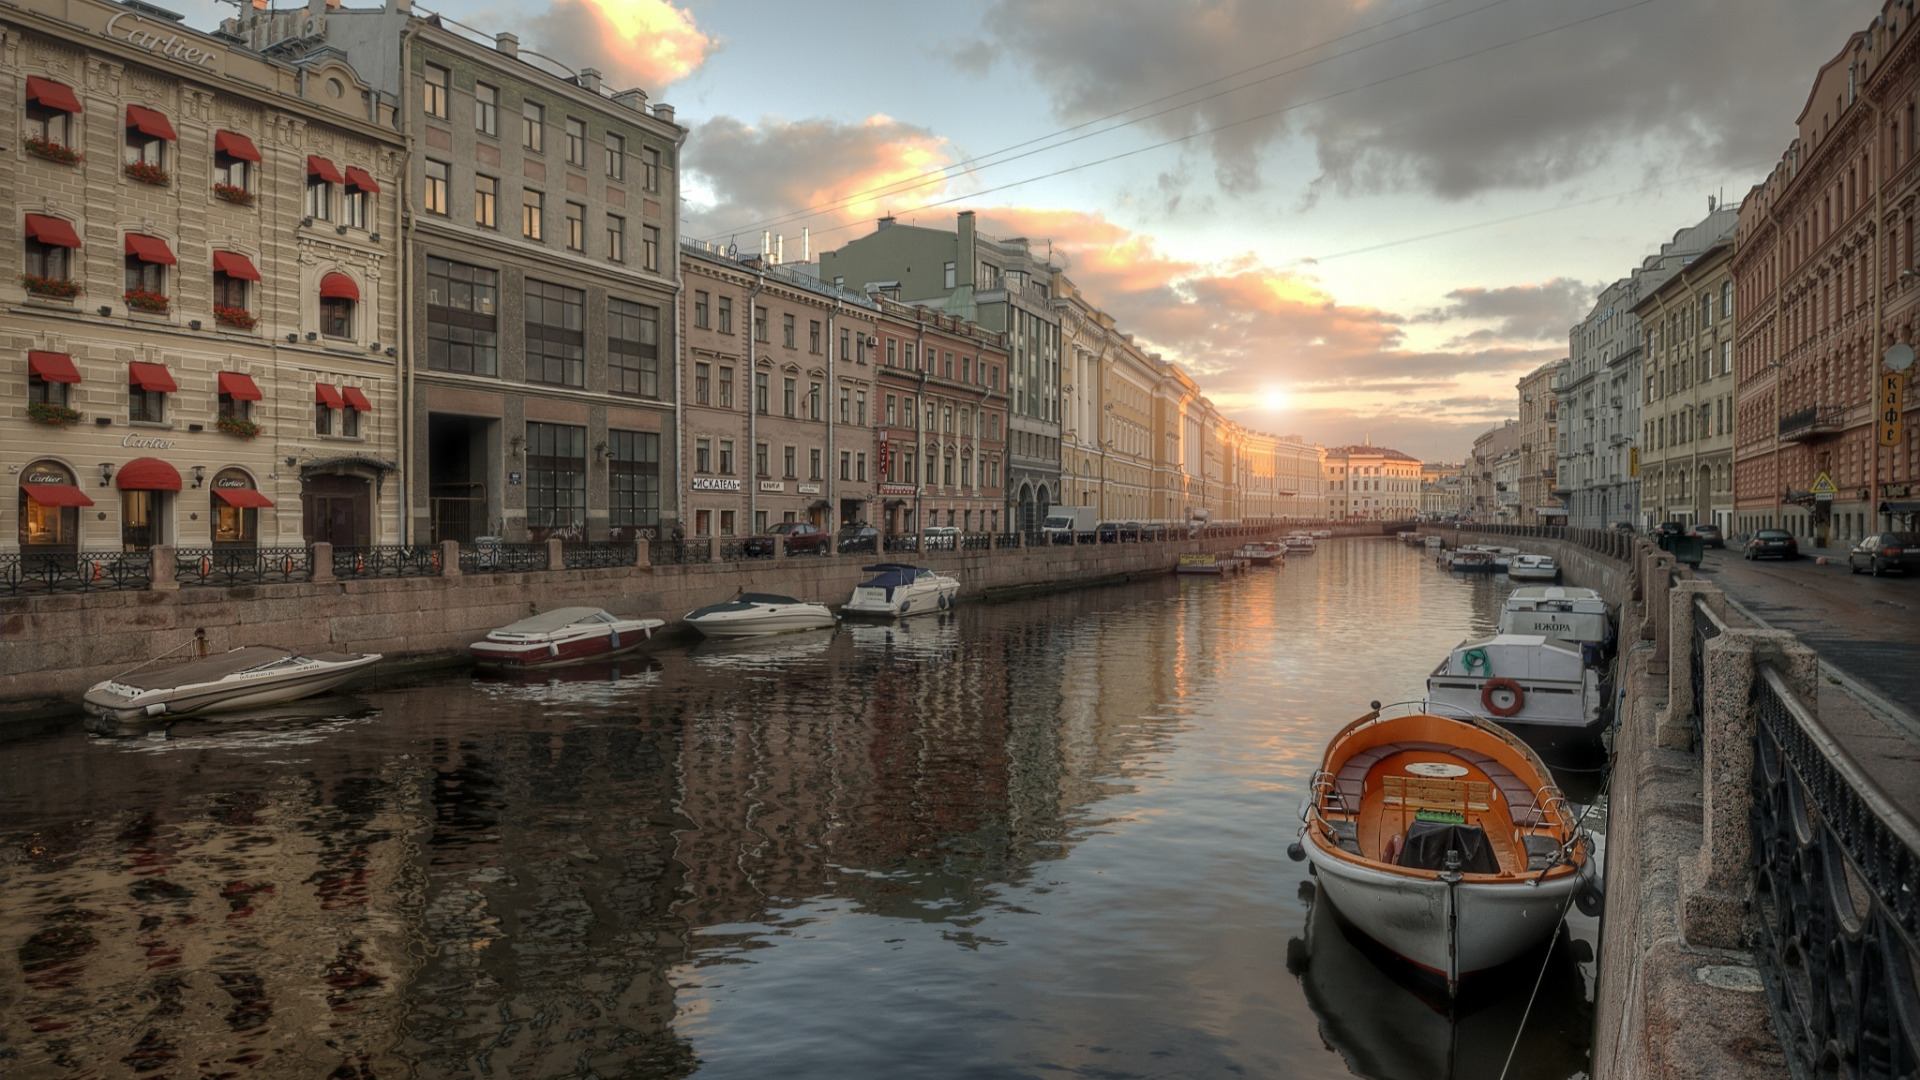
{"points": [[535, 655], [903, 602], [764, 622], [120, 703]]}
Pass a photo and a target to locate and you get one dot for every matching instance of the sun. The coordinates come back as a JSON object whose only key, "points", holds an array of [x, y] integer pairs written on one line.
{"points": [[1274, 398]]}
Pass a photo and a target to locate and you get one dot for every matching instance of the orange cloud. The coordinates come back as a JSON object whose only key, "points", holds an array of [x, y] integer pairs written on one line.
{"points": [[644, 43]]}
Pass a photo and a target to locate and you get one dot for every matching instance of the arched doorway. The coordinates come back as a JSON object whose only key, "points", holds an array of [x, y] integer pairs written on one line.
{"points": [[147, 489], [234, 508], [1023, 510], [1042, 502], [337, 501], [50, 502]]}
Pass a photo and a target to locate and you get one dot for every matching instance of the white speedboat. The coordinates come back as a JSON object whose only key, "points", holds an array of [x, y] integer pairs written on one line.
{"points": [[1539, 683], [1324, 534], [1434, 540], [243, 678], [754, 614], [1262, 553], [568, 635], [1560, 611], [898, 589], [1533, 568], [1299, 543], [1469, 560], [1444, 840]]}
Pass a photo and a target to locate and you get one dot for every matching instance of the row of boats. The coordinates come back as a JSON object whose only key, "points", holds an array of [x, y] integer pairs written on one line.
{"points": [[1254, 553], [1435, 828]]}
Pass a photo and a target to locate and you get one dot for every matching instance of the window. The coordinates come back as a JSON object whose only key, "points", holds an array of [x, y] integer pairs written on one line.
{"points": [[556, 480], [486, 109], [556, 334], [892, 403], [787, 330], [846, 464], [336, 317], [533, 127], [148, 133], [791, 395], [354, 199], [576, 142], [486, 192], [576, 227], [616, 157], [702, 377], [726, 315], [433, 197], [813, 336], [433, 86], [1726, 300], [50, 109], [703, 455], [813, 464], [792, 462], [633, 348], [860, 467], [233, 156], [462, 317], [48, 241], [726, 457], [846, 350], [947, 276], [533, 208], [650, 169], [813, 401], [726, 522], [649, 247], [617, 242], [49, 388], [700, 313], [762, 460], [759, 324], [229, 291], [319, 201], [633, 482], [846, 405], [860, 408], [147, 388], [760, 392], [145, 276]]}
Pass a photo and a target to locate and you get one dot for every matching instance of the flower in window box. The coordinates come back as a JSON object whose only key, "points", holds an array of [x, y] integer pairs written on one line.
{"points": [[44, 412], [42, 147], [147, 300], [148, 173], [59, 288], [237, 425], [238, 196], [239, 317]]}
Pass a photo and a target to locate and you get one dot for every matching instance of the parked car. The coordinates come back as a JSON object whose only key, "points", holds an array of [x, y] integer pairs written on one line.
{"points": [[1885, 551], [1668, 528], [1775, 543], [1710, 535], [943, 537], [801, 539], [857, 538], [1621, 527], [1114, 532]]}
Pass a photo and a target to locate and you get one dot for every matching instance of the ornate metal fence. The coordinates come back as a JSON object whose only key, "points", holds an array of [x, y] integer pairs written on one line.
{"points": [[74, 571], [503, 558], [1838, 899], [976, 542], [242, 565], [388, 561], [598, 554]]}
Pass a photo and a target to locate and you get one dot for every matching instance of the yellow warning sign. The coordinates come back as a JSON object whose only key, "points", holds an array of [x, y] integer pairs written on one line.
{"points": [[1888, 416], [1824, 485]]}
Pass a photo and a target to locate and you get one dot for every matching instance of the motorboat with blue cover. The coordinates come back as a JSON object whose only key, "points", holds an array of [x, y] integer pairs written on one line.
{"points": [[754, 614], [898, 589]]}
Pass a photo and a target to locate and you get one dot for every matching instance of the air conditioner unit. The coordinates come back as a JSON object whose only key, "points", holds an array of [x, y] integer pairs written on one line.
{"points": [[872, 342]]}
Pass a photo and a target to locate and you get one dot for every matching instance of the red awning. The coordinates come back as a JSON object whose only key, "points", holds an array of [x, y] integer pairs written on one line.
{"points": [[52, 366], [52, 94], [244, 498], [56, 494], [234, 264], [328, 396], [51, 230], [147, 474], [324, 169], [362, 179], [239, 387], [339, 287], [151, 122], [151, 377], [149, 249], [356, 399], [237, 145]]}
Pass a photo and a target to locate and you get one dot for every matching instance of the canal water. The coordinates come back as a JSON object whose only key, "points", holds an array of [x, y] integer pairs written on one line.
{"points": [[1028, 839]]}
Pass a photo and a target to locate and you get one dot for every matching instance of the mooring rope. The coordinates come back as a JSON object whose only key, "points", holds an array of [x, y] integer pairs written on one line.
{"points": [[197, 636]]}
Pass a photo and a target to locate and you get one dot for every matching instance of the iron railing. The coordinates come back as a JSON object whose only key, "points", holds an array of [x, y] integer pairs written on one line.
{"points": [[1837, 898], [387, 560], [732, 550], [36, 572], [1006, 540], [1706, 627], [503, 558], [221, 566], [598, 554]]}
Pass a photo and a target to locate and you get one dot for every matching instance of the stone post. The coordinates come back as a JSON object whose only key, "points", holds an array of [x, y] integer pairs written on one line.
{"points": [[713, 548], [163, 575], [322, 562], [556, 554], [779, 549], [449, 558], [1715, 884], [642, 552], [1673, 728]]}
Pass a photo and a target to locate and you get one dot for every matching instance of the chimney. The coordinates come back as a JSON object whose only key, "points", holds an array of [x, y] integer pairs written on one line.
{"points": [[589, 80], [635, 99], [885, 222], [508, 44], [663, 111]]}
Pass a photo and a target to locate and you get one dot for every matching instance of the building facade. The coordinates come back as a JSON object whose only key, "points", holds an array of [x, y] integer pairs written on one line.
{"points": [[1539, 435], [1372, 483], [940, 427], [1493, 473], [201, 334], [1687, 394]]}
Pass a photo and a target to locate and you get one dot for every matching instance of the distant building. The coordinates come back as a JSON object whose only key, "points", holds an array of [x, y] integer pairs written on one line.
{"points": [[1372, 483], [1492, 475], [1687, 394], [1539, 438]]}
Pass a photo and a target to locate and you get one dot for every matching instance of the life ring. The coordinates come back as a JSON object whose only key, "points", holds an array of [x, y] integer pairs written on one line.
{"points": [[1486, 696], [1476, 658]]}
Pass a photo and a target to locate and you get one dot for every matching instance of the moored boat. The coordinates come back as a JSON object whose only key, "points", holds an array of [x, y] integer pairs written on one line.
{"points": [[898, 589], [1209, 565], [1261, 552], [1533, 568], [1299, 543], [242, 678], [1444, 840], [1561, 611], [1540, 684], [569, 635], [754, 614], [1471, 561]]}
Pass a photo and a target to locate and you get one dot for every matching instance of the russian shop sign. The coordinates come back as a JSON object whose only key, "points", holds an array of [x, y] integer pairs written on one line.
{"points": [[714, 483]]}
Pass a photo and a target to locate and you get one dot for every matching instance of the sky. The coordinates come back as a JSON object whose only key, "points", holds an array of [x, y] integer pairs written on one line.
{"points": [[1352, 220]]}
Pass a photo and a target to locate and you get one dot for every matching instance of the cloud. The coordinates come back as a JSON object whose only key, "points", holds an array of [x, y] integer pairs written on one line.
{"points": [[1540, 312], [643, 43], [1670, 81]]}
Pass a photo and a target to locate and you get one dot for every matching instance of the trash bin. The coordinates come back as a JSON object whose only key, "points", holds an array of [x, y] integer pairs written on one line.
{"points": [[1685, 549], [486, 551]]}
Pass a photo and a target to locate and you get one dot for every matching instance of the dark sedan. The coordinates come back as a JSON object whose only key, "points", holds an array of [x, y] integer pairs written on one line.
{"points": [[801, 538], [857, 538], [1773, 543], [1709, 535], [1886, 551]]}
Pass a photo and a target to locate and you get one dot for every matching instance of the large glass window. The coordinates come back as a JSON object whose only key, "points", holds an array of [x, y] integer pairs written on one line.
{"points": [[633, 348], [462, 319], [486, 109], [725, 315], [556, 334], [434, 85], [486, 199], [576, 142], [633, 482], [556, 481], [533, 213], [650, 169], [576, 227], [533, 126], [616, 157], [433, 197], [649, 247]]}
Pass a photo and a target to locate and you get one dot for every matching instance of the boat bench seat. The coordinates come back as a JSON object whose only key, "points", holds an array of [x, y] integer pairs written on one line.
{"points": [[1541, 851], [1346, 834], [1353, 777], [1515, 790]]}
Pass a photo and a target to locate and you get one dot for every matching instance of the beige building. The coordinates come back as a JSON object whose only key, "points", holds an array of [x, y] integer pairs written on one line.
{"points": [[1539, 437], [1371, 483], [1687, 403], [201, 336], [1492, 474], [1285, 479]]}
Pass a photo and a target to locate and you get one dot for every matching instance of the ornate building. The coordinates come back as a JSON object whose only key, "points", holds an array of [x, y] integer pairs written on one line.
{"points": [[1687, 394], [1539, 435]]}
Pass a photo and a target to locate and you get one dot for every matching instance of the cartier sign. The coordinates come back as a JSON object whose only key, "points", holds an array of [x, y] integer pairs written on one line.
{"points": [[44, 478], [171, 44]]}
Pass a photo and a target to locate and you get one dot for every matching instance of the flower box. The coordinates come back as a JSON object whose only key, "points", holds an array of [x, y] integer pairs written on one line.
{"points": [[148, 173], [237, 425], [237, 317], [59, 288], [43, 412], [147, 300], [238, 196], [52, 151]]}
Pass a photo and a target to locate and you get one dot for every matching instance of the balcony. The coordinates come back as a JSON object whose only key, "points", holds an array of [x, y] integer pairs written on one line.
{"points": [[1813, 422]]}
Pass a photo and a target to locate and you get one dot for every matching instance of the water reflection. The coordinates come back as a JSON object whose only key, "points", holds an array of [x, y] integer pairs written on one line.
{"points": [[1011, 839]]}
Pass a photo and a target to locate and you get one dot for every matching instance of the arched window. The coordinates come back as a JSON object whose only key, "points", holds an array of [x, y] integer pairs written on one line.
{"points": [[235, 507], [338, 297], [50, 503]]}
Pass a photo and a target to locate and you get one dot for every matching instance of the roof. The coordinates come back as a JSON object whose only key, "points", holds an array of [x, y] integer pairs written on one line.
{"points": [[1361, 450]]}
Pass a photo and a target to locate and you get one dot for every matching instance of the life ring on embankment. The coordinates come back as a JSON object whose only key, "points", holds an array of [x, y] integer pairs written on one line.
{"points": [[1488, 688]]}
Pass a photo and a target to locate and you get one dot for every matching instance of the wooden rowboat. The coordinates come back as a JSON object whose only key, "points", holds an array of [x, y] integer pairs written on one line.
{"points": [[1444, 840]]}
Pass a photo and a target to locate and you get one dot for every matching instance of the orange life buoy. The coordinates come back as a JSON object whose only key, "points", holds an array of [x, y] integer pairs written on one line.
{"points": [[1486, 696], [206, 565]]}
